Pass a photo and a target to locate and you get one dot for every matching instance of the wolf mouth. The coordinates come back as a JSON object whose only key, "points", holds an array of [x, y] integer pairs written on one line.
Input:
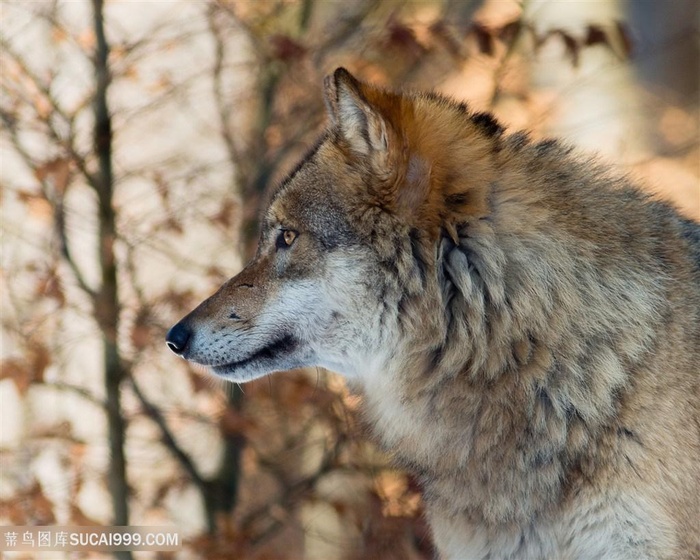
{"points": [[282, 345]]}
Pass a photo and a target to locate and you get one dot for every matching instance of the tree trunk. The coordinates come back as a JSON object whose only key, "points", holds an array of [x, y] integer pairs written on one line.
{"points": [[107, 297]]}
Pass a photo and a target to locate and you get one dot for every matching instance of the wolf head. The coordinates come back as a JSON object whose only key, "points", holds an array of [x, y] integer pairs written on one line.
{"points": [[345, 269]]}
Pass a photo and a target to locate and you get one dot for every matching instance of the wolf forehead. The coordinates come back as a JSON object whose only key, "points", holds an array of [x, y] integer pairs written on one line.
{"points": [[314, 198]]}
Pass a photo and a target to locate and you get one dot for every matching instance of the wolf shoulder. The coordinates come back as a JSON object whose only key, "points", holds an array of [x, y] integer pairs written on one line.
{"points": [[573, 197]]}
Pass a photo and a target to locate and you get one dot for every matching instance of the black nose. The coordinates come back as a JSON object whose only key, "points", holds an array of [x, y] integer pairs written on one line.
{"points": [[177, 338]]}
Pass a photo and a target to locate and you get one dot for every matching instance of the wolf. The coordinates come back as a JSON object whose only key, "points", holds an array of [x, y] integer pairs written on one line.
{"points": [[524, 325]]}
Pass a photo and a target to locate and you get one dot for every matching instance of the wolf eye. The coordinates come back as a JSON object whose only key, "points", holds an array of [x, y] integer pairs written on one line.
{"points": [[285, 238]]}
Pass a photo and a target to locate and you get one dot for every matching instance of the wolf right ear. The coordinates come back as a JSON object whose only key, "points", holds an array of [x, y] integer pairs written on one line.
{"points": [[360, 124]]}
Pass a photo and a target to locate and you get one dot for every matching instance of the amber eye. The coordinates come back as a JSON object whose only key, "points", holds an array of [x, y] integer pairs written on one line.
{"points": [[286, 238]]}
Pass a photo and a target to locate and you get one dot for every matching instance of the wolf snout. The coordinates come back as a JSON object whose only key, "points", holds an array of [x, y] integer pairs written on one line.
{"points": [[178, 337]]}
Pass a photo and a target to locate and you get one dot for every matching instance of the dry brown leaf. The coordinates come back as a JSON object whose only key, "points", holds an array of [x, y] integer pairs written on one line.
{"points": [[56, 172], [18, 371], [37, 206]]}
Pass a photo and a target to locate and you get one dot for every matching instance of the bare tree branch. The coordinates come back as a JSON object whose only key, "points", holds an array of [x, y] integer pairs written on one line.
{"points": [[168, 439], [60, 222], [84, 393], [222, 107], [56, 200], [290, 495], [68, 143]]}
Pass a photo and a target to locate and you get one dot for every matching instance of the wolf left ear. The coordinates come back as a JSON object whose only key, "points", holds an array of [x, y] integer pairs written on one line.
{"points": [[360, 124]]}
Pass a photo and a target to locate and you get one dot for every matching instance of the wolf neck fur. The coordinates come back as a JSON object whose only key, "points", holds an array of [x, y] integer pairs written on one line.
{"points": [[535, 409]]}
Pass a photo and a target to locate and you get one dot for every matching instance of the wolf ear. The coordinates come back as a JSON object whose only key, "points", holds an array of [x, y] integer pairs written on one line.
{"points": [[360, 124]]}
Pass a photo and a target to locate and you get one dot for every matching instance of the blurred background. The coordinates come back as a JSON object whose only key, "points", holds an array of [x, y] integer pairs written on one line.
{"points": [[138, 141]]}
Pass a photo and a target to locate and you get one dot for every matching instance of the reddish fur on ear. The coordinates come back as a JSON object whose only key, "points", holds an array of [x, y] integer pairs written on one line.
{"points": [[415, 177], [414, 192]]}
